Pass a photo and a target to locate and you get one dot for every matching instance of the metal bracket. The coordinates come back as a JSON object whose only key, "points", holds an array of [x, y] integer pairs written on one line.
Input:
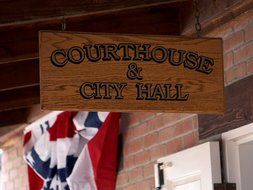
{"points": [[159, 173]]}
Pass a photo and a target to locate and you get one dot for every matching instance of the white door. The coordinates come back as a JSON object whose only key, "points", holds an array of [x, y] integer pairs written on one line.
{"points": [[238, 151], [196, 168]]}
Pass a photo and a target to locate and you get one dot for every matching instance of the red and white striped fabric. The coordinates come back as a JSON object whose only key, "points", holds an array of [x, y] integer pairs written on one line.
{"points": [[76, 151]]}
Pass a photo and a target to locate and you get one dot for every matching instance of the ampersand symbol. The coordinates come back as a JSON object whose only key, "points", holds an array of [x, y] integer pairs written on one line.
{"points": [[134, 72]]}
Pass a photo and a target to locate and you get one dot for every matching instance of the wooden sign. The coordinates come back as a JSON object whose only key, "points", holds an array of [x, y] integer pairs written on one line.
{"points": [[114, 72]]}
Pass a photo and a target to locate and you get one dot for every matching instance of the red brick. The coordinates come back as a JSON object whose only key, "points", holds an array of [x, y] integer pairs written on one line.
{"points": [[128, 135], [145, 115], [133, 146], [167, 133], [147, 184], [236, 72], [170, 118], [134, 118], [249, 32], [195, 122], [129, 162], [228, 60], [142, 129], [131, 187], [122, 178], [174, 146], [190, 140], [183, 127], [155, 123], [243, 53], [151, 139], [141, 157], [158, 151], [167, 119], [242, 21], [135, 174], [148, 170], [233, 41]]}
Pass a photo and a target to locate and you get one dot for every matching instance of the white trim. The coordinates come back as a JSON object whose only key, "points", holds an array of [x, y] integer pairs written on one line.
{"points": [[231, 141], [239, 134], [201, 162]]}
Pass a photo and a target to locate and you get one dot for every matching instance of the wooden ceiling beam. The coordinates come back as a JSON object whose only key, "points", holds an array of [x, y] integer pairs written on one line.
{"points": [[20, 41], [212, 14], [19, 98], [19, 74], [12, 117], [25, 11], [239, 110]]}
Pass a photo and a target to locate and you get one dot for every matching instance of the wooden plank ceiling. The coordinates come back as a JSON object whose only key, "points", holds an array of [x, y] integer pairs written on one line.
{"points": [[20, 22]]}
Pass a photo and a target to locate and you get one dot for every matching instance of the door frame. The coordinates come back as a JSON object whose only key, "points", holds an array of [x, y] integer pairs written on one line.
{"points": [[231, 141]]}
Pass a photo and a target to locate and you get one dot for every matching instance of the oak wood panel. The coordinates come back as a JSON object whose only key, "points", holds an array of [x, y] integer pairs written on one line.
{"points": [[20, 41], [16, 11], [19, 98], [239, 110], [19, 74], [12, 117], [60, 85]]}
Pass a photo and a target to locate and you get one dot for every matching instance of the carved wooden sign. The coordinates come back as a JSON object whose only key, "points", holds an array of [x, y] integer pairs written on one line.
{"points": [[114, 72]]}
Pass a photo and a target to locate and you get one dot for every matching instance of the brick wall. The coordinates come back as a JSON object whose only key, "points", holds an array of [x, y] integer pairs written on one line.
{"points": [[149, 136], [238, 47], [14, 170]]}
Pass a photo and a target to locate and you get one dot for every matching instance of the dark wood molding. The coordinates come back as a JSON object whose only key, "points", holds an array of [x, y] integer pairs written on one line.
{"points": [[19, 98], [12, 117], [225, 186], [19, 74], [212, 14], [42, 10], [239, 110], [20, 41]]}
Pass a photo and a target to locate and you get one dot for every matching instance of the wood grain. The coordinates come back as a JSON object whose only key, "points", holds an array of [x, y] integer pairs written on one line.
{"points": [[20, 40], [12, 117], [239, 110], [19, 74], [19, 98], [60, 85], [46, 9]]}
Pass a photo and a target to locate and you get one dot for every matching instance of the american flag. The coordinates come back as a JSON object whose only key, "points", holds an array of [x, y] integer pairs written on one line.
{"points": [[72, 151]]}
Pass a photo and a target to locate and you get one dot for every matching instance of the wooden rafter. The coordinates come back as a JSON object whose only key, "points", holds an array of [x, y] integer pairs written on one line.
{"points": [[12, 117], [239, 110], [42, 10], [19, 98], [19, 74], [20, 41]]}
